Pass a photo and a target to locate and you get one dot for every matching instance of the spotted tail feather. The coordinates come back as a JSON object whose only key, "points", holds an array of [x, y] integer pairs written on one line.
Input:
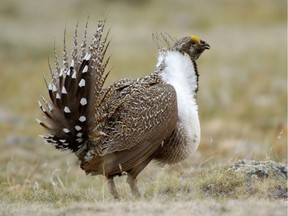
{"points": [[74, 90]]}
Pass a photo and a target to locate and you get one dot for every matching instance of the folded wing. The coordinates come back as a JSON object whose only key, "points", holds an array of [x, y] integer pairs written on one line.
{"points": [[134, 133]]}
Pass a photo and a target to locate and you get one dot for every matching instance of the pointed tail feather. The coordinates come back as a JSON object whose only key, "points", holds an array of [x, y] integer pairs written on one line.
{"points": [[74, 90]]}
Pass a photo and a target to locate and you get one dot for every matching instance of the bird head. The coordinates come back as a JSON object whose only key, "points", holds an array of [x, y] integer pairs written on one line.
{"points": [[191, 45]]}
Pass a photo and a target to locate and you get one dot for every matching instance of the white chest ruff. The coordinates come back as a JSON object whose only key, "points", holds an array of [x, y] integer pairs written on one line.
{"points": [[180, 73]]}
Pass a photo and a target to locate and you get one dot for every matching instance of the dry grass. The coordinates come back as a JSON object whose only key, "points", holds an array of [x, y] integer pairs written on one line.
{"points": [[206, 207], [242, 103], [56, 186]]}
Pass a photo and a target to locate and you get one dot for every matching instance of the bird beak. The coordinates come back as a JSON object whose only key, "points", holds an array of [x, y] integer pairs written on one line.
{"points": [[205, 45]]}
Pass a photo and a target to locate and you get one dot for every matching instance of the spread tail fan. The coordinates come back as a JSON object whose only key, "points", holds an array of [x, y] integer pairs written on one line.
{"points": [[74, 90]]}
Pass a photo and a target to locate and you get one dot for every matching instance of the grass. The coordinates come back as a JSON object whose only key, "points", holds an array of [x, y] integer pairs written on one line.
{"points": [[60, 181], [242, 106], [50, 189], [214, 181]]}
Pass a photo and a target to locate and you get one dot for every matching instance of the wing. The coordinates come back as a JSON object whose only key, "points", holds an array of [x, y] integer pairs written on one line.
{"points": [[136, 130], [137, 119]]}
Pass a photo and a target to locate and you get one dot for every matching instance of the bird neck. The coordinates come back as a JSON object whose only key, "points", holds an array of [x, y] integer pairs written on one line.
{"points": [[179, 70]]}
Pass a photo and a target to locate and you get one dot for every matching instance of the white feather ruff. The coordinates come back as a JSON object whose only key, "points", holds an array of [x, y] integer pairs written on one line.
{"points": [[179, 72]]}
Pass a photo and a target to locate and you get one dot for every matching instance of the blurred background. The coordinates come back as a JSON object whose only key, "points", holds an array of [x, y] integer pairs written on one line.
{"points": [[243, 78]]}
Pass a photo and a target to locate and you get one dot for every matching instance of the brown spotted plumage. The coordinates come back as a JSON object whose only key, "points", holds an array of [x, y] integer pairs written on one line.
{"points": [[119, 129]]}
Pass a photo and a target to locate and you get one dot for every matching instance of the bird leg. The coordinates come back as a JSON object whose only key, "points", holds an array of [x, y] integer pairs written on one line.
{"points": [[132, 181], [112, 187]]}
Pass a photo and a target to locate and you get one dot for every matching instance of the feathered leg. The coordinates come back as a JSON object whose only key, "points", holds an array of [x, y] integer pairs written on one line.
{"points": [[112, 187], [132, 181]]}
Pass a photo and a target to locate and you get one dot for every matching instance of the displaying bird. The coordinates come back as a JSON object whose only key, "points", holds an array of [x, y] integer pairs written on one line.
{"points": [[119, 129]]}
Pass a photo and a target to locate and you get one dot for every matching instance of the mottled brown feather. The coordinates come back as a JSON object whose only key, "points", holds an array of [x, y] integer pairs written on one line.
{"points": [[136, 130]]}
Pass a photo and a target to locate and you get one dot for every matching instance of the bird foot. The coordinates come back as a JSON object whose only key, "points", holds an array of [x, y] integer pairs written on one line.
{"points": [[133, 185]]}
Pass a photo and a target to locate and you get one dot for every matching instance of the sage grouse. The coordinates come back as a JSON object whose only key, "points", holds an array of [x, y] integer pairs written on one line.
{"points": [[119, 129]]}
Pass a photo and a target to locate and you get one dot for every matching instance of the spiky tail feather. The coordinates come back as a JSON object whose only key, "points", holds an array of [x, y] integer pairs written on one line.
{"points": [[74, 90]]}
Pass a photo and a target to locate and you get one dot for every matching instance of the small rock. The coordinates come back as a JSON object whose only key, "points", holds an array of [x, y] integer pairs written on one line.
{"points": [[261, 169]]}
